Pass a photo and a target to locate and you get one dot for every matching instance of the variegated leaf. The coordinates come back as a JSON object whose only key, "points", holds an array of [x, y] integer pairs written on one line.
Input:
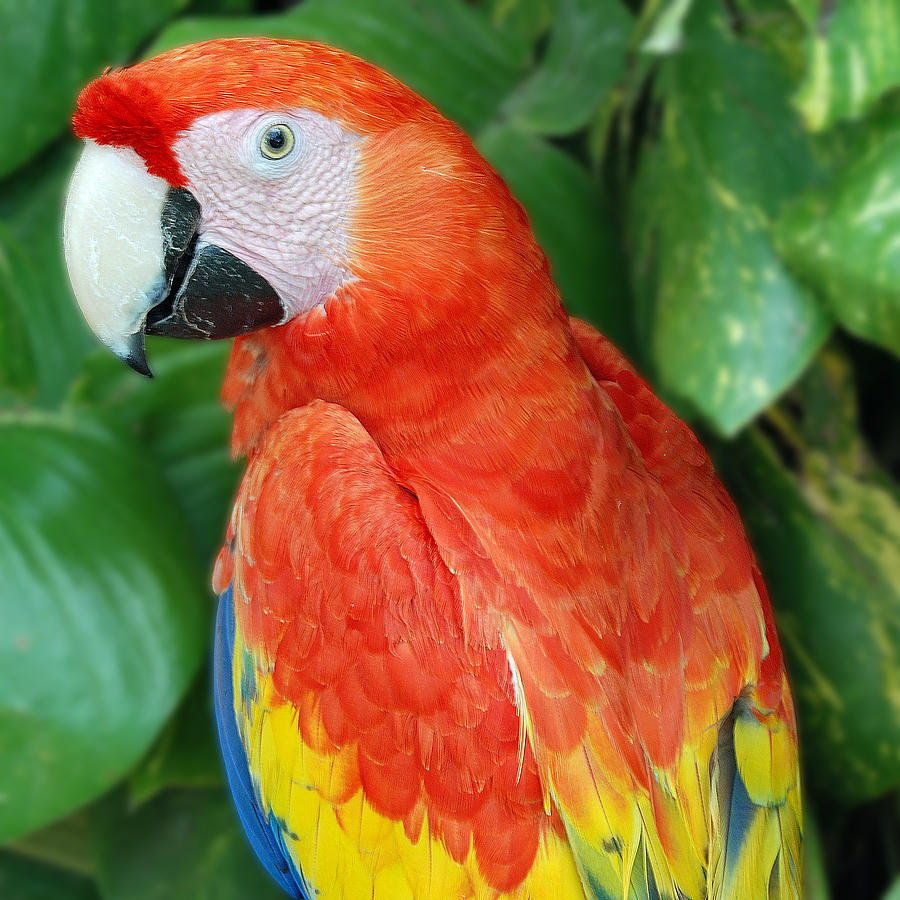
{"points": [[854, 57], [845, 238]]}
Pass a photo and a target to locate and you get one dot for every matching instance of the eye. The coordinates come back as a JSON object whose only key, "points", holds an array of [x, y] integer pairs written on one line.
{"points": [[277, 141]]}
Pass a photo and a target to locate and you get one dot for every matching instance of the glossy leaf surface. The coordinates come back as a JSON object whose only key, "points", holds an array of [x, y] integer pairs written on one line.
{"points": [[726, 324], [105, 614], [853, 57], [826, 525], [844, 238]]}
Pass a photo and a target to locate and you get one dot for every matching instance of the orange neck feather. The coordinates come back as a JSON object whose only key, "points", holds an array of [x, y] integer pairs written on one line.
{"points": [[453, 351], [451, 318]]}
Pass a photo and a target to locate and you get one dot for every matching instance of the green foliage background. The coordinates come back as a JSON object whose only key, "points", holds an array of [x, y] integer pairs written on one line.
{"points": [[717, 185]]}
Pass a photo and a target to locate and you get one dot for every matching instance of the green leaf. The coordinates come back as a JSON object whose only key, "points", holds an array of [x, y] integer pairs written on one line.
{"points": [[187, 753], [661, 25], [808, 10], [826, 525], [28, 879], [218, 7], [18, 372], [444, 50], [854, 57], [104, 614], [893, 892], [727, 326], [584, 61], [50, 48], [573, 223], [525, 20], [179, 420], [815, 875], [67, 843], [844, 238], [39, 359], [775, 26], [183, 844], [37, 309]]}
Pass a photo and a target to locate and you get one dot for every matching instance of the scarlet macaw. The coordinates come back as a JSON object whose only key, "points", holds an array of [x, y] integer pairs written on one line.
{"points": [[489, 625]]}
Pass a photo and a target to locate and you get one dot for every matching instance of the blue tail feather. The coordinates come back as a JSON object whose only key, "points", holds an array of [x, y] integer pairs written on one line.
{"points": [[263, 831]]}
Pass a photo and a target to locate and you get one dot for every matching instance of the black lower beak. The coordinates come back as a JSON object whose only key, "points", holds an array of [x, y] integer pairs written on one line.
{"points": [[209, 292]]}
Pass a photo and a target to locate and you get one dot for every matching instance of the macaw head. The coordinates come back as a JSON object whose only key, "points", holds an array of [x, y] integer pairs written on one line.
{"points": [[238, 184]]}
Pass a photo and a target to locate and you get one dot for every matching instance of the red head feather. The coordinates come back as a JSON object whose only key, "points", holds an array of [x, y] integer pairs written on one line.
{"points": [[148, 105]]}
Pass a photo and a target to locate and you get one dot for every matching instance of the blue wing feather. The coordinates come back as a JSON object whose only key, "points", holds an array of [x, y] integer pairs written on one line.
{"points": [[264, 833]]}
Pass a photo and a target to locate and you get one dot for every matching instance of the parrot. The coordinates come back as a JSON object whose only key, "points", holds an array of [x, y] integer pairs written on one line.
{"points": [[488, 625]]}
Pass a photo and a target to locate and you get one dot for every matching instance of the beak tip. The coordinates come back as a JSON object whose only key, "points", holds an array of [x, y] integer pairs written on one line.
{"points": [[135, 355], [141, 369]]}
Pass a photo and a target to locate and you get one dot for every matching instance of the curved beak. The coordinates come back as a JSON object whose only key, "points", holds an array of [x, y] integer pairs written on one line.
{"points": [[139, 265]]}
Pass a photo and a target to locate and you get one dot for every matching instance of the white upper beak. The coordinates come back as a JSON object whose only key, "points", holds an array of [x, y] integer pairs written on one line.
{"points": [[114, 243]]}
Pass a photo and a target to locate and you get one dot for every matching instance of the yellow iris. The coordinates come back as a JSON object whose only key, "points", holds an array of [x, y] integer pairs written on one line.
{"points": [[277, 141]]}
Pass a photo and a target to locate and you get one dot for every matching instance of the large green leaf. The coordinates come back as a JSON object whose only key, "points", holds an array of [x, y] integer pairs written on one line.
{"points": [[104, 613], [573, 222], [826, 524], [37, 308], [184, 844], [854, 57], [727, 325], [585, 59], [844, 238], [187, 753], [444, 49], [178, 419], [27, 879], [50, 48]]}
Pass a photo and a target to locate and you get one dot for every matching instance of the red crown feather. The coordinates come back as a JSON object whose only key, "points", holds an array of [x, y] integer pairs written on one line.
{"points": [[148, 105]]}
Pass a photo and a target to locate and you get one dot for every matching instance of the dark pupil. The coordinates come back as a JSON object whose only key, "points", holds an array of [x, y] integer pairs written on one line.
{"points": [[275, 139]]}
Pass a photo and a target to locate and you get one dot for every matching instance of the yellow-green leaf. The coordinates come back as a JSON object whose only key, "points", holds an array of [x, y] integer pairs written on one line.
{"points": [[726, 324], [826, 524], [853, 58], [844, 238]]}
